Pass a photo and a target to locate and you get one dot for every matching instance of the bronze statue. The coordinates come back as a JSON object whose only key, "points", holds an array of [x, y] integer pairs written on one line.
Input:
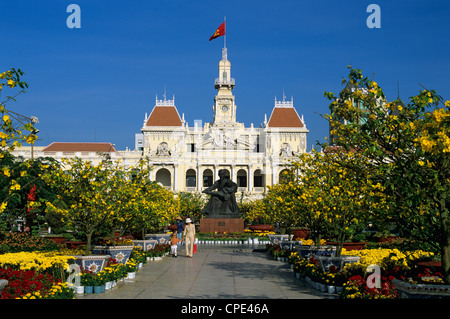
{"points": [[222, 203]]}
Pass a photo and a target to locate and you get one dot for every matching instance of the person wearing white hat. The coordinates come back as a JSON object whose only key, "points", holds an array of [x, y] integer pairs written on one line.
{"points": [[189, 237]]}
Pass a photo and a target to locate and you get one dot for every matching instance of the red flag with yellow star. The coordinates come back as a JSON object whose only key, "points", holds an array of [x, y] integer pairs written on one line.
{"points": [[219, 32]]}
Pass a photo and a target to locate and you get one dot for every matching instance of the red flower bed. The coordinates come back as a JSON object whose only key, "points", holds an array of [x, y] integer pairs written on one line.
{"points": [[21, 282], [357, 287]]}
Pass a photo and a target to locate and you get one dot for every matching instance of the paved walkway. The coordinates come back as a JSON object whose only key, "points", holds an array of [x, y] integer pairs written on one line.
{"points": [[215, 272]]}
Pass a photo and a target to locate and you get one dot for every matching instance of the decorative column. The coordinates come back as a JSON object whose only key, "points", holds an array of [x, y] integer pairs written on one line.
{"points": [[175, 177], [199, 177], [233, 172], [250, 178]]}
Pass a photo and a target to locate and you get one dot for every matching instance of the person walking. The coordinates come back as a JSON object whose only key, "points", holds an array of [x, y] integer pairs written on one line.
{"points": [[180, 229], [189, 237], [174, 244]]}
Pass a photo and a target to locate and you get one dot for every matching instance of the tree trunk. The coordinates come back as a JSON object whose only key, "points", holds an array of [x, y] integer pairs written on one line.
{"points": [[87, 250], [340, 244]]}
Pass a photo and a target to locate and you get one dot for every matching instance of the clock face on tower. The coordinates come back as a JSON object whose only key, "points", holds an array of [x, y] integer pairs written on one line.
{"points": [[224, 108]]}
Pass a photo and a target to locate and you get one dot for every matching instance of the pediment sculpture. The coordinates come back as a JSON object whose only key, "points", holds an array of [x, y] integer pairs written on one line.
{"points": [[286, 150], [163, 149]]}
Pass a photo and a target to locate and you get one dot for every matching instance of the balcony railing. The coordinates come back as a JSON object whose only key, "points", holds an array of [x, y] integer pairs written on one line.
{"points": [[220, 82]]}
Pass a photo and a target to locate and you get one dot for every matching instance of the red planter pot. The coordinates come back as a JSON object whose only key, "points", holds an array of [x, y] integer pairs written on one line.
{"points": [[57, 239], [350, 245], [434, 266], [264, 227], [172, 227], [300, 234]]}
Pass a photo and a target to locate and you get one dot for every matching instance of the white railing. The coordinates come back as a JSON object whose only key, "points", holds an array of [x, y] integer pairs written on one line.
{"points": [[284, 103], [219, 81]]}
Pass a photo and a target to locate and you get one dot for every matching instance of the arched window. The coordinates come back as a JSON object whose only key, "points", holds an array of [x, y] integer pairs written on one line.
{"points": [[242, 178], [258, 178], [207, 178], [191, 178], [163, 176]]}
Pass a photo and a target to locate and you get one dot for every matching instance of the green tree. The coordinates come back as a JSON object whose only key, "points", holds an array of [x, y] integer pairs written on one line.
{"points": [[14, 130], [90, 193], [191, 205], [407, 147]]}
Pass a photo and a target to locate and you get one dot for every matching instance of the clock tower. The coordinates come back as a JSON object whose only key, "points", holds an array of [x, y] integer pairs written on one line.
{"points": [[224, 107]]}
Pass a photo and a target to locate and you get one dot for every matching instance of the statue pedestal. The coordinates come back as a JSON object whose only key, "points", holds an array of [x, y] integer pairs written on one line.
{"points": [[232, 225]]}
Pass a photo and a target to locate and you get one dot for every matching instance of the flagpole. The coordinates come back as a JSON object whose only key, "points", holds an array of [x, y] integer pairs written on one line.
{"points": [[225, 36]]}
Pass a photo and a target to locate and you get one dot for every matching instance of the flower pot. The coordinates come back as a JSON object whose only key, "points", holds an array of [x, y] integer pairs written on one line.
{"points": [[79, 289], [262, 227], [434, 266], [290, 244], [331, 289], [57, 239], [326, 262], [323, 287], [428, 291], [108, 285], [316, 285], [88, 289], [131, 275], [300, 233], [339, 289], [160, 238], [350, 245], [98, 289], [94, 263], [308, 251], [172, 227], [145, 244], [119, 253], [276, 239]]}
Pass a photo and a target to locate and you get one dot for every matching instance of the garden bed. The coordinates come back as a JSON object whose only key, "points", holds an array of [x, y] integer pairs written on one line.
{"points": [[352, 281], [40, 270]]}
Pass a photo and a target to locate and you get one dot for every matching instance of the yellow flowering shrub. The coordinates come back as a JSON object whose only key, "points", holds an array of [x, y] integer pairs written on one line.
{"points": [[38, 261], [384, 258], [13, 131]]}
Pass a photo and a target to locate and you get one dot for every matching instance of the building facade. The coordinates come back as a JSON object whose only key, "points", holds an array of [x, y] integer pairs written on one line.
{"points": [[188, 158]]}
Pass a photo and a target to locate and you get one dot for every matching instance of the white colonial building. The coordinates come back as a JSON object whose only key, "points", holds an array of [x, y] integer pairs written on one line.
{"points": [[188, 158]]}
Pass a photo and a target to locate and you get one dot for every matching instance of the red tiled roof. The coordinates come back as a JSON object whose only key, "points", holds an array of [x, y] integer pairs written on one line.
{"points": [[164, 116], [284, 117], [79, 147]]}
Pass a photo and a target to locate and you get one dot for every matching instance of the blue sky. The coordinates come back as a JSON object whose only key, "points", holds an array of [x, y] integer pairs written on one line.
{"points": [[96, 83]]}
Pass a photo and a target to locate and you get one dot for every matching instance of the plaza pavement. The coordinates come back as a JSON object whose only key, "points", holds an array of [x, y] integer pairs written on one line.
{"points": [[215, 272]]}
